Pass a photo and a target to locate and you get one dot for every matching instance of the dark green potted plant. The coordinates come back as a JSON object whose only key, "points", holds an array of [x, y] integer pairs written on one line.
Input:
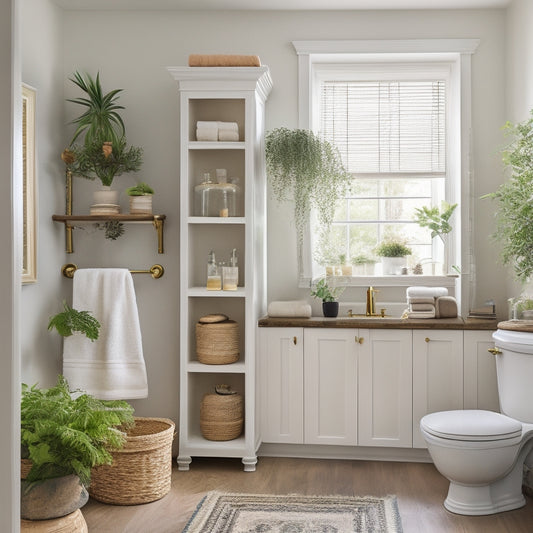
{"points": [[307, 169], [393, 253], [328, 294]]}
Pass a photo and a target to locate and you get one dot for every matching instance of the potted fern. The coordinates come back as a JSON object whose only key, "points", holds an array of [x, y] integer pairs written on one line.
{"points": [[307, 169], [64, 435], [392, 253]]}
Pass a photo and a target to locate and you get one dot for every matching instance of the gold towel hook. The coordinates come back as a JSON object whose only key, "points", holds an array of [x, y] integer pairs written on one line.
{"points": [[155, 270]]}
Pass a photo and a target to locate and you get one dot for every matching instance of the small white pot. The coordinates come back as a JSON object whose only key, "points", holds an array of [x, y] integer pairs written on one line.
{"points": [[141, 205], [105, 196], [392, 266]]}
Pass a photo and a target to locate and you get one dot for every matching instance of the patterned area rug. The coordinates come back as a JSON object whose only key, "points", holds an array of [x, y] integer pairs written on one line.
{"points": [[221, 512]]}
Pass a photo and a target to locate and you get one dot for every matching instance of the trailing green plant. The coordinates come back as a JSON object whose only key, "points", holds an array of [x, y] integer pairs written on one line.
{"points": [[514, 212], [113, 229], [307, 169], [105, 161], [64, 434], [100, 121], [326, 292], [141, 189], [392, 248], [437, 220], [71, 320]]}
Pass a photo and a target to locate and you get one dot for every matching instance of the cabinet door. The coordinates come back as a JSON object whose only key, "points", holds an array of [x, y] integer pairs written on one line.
{"points": [[385, 388], [437, 375], [282, 384], [330, 378], [480, 382]]}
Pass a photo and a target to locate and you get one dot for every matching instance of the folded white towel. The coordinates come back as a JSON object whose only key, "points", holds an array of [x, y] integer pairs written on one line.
{"points": [[111, 367], [421, 307], [419, 314], [293, 308], [228, 126], [207, 130], [426, 292], [228, 135], [421, 301]]}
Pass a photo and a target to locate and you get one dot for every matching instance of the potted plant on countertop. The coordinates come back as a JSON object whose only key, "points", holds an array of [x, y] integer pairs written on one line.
{"points": [[307, 169], [393, 253], [140, 199], [64, 435], [328, 294]]}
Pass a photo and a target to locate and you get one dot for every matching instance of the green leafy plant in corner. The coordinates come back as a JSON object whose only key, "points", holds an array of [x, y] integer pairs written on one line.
{"points": [[71, 320], [141, 189], [326, 292], [393, 248], [514, 212], [66, 434], [437, 220], [307, 169]]}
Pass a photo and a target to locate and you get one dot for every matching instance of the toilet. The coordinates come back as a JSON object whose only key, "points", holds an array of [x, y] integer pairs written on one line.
{"points": [[482, 453]]}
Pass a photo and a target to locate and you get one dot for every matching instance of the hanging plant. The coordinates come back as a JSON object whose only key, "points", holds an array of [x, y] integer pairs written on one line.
{"points": [[308, 170], [514, 214]]}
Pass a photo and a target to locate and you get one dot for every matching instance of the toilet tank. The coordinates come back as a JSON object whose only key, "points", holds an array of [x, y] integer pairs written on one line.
{"points": [[514, 367]]}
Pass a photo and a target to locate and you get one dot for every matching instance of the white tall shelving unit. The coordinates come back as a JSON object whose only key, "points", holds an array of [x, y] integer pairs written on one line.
{"points": [[228, 94]]}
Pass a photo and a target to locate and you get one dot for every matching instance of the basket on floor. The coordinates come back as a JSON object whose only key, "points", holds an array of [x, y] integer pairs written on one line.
{"points": [[141, 470]]}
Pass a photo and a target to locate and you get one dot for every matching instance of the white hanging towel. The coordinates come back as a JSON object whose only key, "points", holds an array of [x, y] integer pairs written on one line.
{"points": [[112, 367]]}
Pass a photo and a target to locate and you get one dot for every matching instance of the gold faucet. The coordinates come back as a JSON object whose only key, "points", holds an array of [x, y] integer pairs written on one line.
{"points": [[371, 301]]}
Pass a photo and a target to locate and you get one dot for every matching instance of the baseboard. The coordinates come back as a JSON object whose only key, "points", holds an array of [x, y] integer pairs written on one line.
{"points": [[364, 453]]}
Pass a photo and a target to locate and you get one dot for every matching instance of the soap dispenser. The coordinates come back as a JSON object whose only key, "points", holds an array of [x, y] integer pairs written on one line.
{"points": [[230, 274], [213, 273]]}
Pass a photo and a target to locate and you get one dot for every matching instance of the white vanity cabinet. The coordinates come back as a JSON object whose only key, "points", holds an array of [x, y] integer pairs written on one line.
{"points": [[385, 387], [437, 375], [330, 386]]}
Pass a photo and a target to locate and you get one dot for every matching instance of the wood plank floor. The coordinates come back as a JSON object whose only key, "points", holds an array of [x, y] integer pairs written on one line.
{"points": [[419, 487]]}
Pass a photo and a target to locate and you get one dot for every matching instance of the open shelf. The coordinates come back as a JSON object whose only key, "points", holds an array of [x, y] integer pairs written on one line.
{"points": [[69, 221]]}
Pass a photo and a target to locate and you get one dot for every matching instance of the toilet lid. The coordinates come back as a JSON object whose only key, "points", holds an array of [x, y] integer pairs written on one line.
{"points": [[471, 425]]}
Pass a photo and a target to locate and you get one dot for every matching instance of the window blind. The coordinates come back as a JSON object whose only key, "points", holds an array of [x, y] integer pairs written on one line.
{"points": [[386, 126]]}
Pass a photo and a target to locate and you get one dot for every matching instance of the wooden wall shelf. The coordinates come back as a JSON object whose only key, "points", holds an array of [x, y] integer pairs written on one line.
{"points": [[69, 221]]}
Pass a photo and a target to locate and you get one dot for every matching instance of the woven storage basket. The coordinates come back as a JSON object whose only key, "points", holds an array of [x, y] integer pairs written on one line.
{"points": [[217, 343], [141, 470], [221, 416], [71, 523]]}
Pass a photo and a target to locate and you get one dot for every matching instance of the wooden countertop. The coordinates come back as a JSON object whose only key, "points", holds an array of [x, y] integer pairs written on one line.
{"points": [[379, 323]]}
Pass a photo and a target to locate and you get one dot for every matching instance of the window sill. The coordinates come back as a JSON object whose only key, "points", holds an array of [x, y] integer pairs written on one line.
{"points": [[388, 281]]}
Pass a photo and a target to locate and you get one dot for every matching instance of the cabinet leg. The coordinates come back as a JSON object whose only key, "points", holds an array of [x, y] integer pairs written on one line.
{"points": [[183, 462], [249, 463]]}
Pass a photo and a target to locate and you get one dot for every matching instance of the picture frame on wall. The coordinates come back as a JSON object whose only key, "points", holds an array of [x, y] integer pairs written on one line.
{"points": [[29, 248]]}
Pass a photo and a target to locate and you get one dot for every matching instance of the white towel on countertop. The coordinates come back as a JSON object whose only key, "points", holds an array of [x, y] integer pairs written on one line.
{"points": [[113, 366], [421, 301], [419, 314], [426, 292], [421, 307], [293, 309]]}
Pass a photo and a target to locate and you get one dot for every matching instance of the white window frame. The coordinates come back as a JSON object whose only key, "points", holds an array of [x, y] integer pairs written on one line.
{"points": [[457, 54]]}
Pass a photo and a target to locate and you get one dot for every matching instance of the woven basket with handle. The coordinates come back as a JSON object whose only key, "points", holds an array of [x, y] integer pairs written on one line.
{"points": [[217, 343], [141, 470], [221, 417]]}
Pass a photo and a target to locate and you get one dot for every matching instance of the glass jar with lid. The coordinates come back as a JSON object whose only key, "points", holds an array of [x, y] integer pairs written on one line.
{"points": [[215, 199]]}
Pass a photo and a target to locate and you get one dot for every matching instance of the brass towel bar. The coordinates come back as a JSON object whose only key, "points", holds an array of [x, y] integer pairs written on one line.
{"points": [[156, 271]]}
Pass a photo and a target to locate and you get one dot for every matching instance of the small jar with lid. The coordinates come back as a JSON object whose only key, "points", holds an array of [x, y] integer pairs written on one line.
{"points": [[213, 199]]}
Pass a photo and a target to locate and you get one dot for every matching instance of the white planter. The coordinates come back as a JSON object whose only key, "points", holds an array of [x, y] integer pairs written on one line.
{"points": [[105, 196], [392, 266], [141, 205]]}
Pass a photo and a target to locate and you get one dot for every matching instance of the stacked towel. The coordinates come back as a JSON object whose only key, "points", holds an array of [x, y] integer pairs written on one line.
{"points": [[293, 309], [422, 300], [223, 60], [211, 130], [446, 307], [112, 367]]}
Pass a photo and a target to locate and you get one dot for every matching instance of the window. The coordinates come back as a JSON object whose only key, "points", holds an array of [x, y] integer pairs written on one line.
{"points": [[388, 121]]}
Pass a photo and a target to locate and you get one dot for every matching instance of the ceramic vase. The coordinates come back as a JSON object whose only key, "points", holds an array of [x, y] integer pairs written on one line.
{"points": [[330, 309]]}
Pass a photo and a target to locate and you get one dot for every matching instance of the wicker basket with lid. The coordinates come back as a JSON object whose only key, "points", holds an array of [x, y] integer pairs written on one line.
{"points": [[222, 416], [217, 340]]}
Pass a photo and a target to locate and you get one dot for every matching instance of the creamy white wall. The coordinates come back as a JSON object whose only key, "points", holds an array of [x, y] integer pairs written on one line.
{"points": [[132, 49]]}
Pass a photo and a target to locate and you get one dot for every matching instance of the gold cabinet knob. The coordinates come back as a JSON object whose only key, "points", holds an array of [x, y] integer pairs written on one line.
{"points": [[360, 340], [295, 340], [494, 351], [427, 339]]}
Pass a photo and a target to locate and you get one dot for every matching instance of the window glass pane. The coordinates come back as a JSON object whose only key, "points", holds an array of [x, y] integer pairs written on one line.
{"points": [[363, 239], [361, 187], [364, 209]]}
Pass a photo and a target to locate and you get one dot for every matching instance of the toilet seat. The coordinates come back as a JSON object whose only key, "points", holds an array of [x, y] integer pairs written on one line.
{"points": [[475, 426]]}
